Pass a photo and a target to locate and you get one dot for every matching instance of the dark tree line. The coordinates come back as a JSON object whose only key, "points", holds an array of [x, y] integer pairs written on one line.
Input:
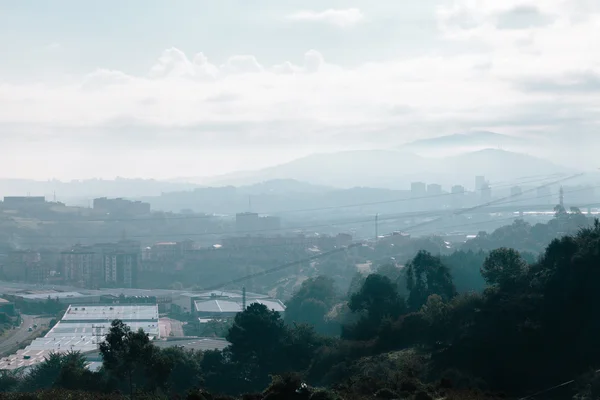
{"points": [[533, 325]]}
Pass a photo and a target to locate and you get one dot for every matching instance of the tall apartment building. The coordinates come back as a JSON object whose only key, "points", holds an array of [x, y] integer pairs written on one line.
{"points": [[87, 266], [26, 265], [79, 264], [120, 269]]}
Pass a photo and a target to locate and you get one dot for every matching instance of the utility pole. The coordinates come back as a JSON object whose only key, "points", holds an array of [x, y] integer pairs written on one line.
{"points": [[561, 197]]}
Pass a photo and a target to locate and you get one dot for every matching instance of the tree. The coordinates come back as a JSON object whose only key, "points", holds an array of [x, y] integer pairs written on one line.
{"points": [[311, 303], [503, 267], [256, 338], [68, 370], [377, 300], [125, 353], [465, 267], [427, 275], [10, 380]]}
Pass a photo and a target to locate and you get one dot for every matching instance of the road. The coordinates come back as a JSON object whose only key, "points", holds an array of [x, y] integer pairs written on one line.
{"points": [[16, 336]]}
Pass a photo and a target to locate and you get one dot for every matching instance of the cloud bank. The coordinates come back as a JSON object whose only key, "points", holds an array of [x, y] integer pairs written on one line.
{"points": [[531, 68]]}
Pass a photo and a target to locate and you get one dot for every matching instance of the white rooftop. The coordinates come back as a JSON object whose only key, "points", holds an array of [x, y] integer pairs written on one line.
{"points": [[234, 305], [109, 313], [81, 329], [52, 295]]}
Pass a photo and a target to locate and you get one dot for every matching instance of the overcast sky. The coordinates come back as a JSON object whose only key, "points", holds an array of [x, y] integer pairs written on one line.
{"points": [[148, 88]]}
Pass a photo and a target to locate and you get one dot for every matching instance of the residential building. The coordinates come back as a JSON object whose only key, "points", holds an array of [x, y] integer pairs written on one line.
{"points": [[121, 206], [121, 269], [458, 196], [418, 189], [247, 222], [433, 189], [458, 189], [252, 222], [26, 265], [22, 201], [168, 251], [486, 193], [79, 264]]}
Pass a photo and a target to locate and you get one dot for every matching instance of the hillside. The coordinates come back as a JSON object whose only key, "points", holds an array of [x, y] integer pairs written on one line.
{"points": [[371, 168], [397, 169], [465, 142]]}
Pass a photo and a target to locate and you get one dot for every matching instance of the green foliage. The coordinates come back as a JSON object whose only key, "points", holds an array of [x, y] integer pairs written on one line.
{"points": [[126, 354], [465, 268], [377, 300], [536, 325], [504, 267], [66, 370], [311, 304], [426, 275]]}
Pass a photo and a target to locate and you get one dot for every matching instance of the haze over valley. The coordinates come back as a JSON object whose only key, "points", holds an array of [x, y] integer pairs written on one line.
{"points": [[299, 200]]}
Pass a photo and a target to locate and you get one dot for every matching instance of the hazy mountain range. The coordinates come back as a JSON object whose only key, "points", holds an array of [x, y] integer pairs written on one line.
{"points": [[466, 142], [397, 169], [465, 155], [392, 168]]}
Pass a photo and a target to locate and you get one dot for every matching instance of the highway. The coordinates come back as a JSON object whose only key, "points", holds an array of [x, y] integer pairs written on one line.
{"points": [[9, 342]]}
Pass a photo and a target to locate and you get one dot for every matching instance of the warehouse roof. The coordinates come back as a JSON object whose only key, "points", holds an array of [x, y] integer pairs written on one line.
{"points": [[127, 312], [234, 305]]}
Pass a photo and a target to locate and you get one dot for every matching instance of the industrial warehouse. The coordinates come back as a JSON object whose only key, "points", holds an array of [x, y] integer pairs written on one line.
{"points": [[83, 328]]}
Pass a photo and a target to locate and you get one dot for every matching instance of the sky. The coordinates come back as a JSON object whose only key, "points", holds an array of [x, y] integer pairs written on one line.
{"points": [[161, 89]]}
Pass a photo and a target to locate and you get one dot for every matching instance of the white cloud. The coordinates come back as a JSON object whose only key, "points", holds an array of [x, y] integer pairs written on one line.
{"points": [[242, 64], [539, 78], [340, 18], [173, 63]]}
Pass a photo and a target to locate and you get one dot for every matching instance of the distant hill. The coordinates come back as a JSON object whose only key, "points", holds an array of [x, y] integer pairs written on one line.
{"points": [[465, 142], [501, 165], [369, 168], [283, 186], [397, 169]]}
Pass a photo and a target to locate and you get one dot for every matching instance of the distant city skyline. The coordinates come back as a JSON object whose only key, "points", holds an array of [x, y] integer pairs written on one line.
{"points": [[153, 90]]}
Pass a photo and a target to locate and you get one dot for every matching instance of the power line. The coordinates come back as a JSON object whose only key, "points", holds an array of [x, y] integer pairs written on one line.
{"points": [[324, 208], [501, 201], [360, 243], [364, 220], [283, 266]]}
